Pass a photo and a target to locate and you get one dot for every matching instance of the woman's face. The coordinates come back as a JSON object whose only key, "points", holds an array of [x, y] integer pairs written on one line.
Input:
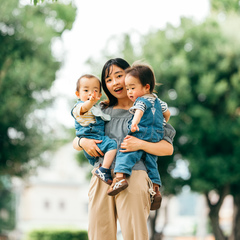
{"points": [[115, 82]]}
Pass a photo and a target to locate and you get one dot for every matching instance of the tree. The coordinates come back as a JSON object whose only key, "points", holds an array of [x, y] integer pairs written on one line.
{"points": [[199, 68], [225, 5], [171, 186], [27, 71], [7, 205]]}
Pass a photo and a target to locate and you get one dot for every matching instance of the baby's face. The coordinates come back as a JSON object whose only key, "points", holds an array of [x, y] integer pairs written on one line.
{"points": [[87, 87], [134, 88]]}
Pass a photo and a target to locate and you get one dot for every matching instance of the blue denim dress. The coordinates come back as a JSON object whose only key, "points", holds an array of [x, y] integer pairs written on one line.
{"points": [[151, 130], [95, 131]]}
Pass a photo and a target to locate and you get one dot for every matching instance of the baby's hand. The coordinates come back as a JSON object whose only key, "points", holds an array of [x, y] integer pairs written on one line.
{"points": [[94, 98], [134, 127]]}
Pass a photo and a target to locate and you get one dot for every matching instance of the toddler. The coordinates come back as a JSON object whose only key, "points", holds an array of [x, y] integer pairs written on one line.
{"points": [[149, 116], [89, 123]]}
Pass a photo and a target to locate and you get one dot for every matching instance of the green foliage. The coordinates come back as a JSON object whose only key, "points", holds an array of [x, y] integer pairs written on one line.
{"points": [[35, 2], [225, 5], [27, 71], [127, 49], [58, 235], [170, 185], [198, 64], [81, 159], [198, 67]]}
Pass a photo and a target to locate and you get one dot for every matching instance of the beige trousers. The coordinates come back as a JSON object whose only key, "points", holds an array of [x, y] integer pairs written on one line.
{"points": [[131, 207]]}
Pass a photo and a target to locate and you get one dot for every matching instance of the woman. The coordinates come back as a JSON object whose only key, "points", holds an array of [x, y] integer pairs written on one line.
{"points": [[132, 206]]}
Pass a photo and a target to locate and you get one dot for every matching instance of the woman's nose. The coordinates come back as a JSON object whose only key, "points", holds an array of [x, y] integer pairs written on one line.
{"points": [[115, 81]]}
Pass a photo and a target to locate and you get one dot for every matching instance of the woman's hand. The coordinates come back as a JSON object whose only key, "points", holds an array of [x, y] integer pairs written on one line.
{"points": [[131, 143], [89, 145], [161, 148]]}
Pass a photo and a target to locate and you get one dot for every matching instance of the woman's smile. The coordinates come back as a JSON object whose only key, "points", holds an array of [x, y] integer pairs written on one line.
{"points": [[118, 89]]}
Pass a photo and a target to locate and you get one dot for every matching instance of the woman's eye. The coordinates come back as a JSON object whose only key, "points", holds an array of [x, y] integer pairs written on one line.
{"points": [[119, 76]]}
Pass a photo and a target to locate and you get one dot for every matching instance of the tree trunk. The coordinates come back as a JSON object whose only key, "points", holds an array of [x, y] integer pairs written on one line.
{"points": [[217, 231], [152, 220], [214, 213], [153, 217]]}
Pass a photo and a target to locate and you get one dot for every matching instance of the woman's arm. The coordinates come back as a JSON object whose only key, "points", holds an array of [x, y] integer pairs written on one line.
{"points": [[89, 145], [162, 148]]}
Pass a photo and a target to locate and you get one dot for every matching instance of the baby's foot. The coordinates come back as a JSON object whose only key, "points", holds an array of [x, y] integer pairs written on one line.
{"points": [[117, 186], [104, 174]]}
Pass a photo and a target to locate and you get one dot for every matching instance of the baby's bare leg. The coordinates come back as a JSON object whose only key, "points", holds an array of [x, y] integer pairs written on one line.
{"points": [[108, 158]]}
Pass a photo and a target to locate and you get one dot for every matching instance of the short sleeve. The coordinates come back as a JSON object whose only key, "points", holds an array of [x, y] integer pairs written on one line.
{"points": [[138, 105], [76, 110], [163, 105], [169, 133], [84, 119]]}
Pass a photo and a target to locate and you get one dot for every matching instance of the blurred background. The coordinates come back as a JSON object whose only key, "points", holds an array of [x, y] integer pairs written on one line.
{"points": [[194, 49]]}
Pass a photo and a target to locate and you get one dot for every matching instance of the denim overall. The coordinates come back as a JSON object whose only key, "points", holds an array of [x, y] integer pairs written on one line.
{"points": [[95, 131], [151, 130]]}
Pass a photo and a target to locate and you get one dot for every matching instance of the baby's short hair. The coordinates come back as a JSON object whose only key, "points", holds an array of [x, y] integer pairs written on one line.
{"points": [[144, 73], [89, 76]]}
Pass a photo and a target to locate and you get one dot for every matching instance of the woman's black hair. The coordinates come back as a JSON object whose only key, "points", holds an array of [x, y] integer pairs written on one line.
{"points": [[119, 62]]}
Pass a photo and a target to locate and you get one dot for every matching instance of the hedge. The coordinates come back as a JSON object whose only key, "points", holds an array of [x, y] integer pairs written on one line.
{"points": [[58, 235]]}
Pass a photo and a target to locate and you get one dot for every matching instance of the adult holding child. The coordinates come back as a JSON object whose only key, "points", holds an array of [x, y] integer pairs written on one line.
{"points": [[131, 206]]}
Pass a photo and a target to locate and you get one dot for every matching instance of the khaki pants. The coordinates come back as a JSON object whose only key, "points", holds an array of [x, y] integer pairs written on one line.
{"points": [[131, 207]]}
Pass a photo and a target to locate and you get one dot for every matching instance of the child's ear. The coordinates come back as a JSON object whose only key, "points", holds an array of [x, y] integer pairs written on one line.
{"points": [[147, 86], [77, 94], [100, 94]]}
